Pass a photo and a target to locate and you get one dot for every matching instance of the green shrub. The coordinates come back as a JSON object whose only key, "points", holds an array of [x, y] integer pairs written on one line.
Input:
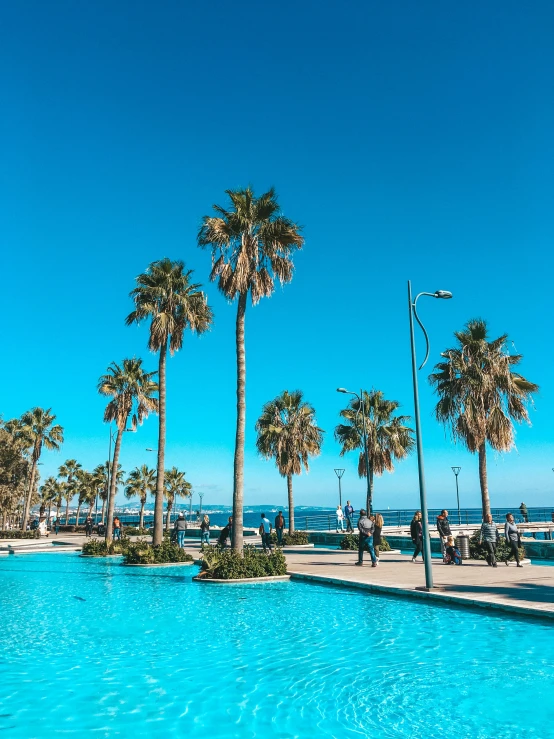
{"points": [[226, 564], [479, 551], [16, 534], [99, 548], [142, 552], [294, 539], [135, 531], [351, 541]]}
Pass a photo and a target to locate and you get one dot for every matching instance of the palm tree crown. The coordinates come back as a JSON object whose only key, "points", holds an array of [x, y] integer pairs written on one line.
{"points": [[140, 483], [175, 485]]}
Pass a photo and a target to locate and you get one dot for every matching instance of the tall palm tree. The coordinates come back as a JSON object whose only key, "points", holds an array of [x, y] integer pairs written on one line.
{"points": [[102, 475], [86, 491], [141, 482], [39, 427], [68, 472], [175, 485], [288, 433], [388, 436], [131, 390], [480, 396], [252, 245], [14, 468], [167, 297], [48, 493]]}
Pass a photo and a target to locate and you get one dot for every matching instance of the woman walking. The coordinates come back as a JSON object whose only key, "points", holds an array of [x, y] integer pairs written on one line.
{"points": [[377, 533], [204, 531], [416, 532], [512, 539], [340, 519]]}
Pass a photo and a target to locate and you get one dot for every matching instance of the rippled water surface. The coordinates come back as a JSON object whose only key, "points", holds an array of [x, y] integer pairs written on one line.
{"points": [[89, 648]]}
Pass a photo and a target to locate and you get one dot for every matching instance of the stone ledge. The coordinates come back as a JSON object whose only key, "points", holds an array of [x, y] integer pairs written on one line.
{"points": [[239, 581]]}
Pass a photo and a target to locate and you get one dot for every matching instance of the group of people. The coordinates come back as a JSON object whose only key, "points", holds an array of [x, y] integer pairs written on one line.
{"points": [[347, 515]]}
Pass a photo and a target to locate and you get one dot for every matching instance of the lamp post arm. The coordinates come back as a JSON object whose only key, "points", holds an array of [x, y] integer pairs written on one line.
{"points": [[414, 308]]}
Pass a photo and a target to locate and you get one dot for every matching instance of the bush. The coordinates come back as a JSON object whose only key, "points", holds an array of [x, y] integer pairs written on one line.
{"points": [[351, 541], [226, 564], [479, 551], [294, 539], [99, 548], [17, 534], [134, 531], [142, 552]]}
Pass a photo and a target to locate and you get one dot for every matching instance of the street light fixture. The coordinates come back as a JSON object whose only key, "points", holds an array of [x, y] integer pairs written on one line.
{"points": [[412, 308], [364, 434], [200, 495], [456, 471], [339, 473]]}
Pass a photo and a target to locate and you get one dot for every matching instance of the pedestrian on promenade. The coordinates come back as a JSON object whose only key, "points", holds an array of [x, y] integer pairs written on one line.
{"points": [[366, 528], [56, 524], [513, 539], [416, 532], [340, 519], [349, 513], [377, 529], [204, 531], [265, 531], [179, 528], [116, 528], [443, 527], [489, 535], [226, 533], [279, 527], [524, 512], [88, 525], [452, 554]]}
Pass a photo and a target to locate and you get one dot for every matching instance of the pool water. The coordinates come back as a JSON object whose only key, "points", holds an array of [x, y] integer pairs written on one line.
{"points": [[92, 649]]}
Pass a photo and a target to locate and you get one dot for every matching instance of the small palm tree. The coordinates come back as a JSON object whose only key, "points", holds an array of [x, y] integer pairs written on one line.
{"points": [[86, 491], [167, 297], [39, 427], [68, 472], [131, 390], [141, 482], [388, 437], [480, 395], [288, 433], [47, 493], [175, 485], [252, 245]]}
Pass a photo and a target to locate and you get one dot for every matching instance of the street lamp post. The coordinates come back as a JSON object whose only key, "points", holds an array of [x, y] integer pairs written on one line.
{"points": [[412, 307], [200, 495], [364, 436], [339, 473], [456, 471]]}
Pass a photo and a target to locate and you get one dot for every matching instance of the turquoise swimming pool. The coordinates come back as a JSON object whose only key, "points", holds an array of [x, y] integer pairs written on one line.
{"points": [[92, 649]]}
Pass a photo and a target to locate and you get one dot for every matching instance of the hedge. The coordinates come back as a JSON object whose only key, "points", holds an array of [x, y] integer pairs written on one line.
{"points": [[351, 541], [143, 553], [227, 564], [294, 539], [17, 534]]}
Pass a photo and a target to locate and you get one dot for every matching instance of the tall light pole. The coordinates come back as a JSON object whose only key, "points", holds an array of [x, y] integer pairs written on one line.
{"points": [[339, 473], [456, 471], [412, 307], [364, 437], [200, 495]]}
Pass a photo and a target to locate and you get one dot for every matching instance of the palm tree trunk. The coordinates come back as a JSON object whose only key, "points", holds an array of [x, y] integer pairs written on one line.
{"points": [[113, 484], [4, 520], [370, 498], [141, 519], [78, 513], [103, 512], [159, 501], [238, 475], [91, 507], [168, 515], [67, 502], [27, 507], [483, 481], [291, 504]]}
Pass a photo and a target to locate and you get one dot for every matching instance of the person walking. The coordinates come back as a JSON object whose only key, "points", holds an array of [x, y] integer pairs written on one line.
{"points": [[443, 527], [88, 526], [377, 538], [279, 527], [524, 513], [340, 519], [416, 532], [490, 536], [366, 528], [204, 531], [265, 530], [226, 533], [180, 527], [513, 539], [56, 524], [349, 513], [116, 528]]}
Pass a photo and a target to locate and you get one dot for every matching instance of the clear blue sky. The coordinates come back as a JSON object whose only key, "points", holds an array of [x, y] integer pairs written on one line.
{"points": [[412, 140]]}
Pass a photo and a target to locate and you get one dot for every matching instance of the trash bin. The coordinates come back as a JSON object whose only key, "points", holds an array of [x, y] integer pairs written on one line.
{"points": [[462, 542]]}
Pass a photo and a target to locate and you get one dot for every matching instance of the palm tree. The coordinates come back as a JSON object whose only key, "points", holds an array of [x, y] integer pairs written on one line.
{"points": [[131, 390], [175, 485], [288, 433], [141, 481], [48, 493], [68, 472], [252, 244], [480, 395], [388, 436], [40, 429], [87, 491], [166, 295]]}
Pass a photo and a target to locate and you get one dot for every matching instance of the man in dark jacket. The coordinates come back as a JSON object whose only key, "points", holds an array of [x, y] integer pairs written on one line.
{"points": [[489, 535], [349, 512], [226, 533], [279, 527], [443, 527], [180, 527], [365, 531]]}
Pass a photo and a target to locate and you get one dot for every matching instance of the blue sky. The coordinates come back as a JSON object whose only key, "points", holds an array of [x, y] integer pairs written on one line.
{"points": [[412, 140]]}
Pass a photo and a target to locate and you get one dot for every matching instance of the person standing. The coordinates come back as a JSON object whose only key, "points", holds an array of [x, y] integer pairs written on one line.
{"points": [[204, 531], [349, 513], [366, 528], [513, 539], [56, 524], [377, 529], [116, 528], [489, 535], [279, 527], [88, 525], [180, 527], [416, 532], [443, 527], [265, 531], [340, 519], [226, 533], [524, 513]]}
